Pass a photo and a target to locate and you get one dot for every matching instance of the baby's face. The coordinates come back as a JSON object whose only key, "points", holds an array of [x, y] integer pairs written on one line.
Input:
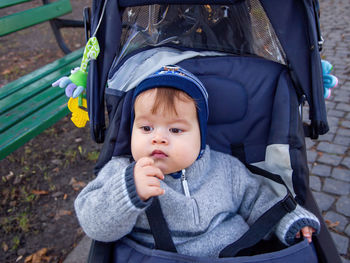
{"points": [[172, 141]]}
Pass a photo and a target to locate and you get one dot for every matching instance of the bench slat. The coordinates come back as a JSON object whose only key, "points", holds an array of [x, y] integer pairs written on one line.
{"points": [[40, 73], [28, 107], [31, 126], [7, 3], [31, 90], [30, 17]]}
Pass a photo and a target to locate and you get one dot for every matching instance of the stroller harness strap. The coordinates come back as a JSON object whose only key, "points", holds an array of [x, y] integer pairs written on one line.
{"points": [[159, 227], [256, 232], [264, 223]]}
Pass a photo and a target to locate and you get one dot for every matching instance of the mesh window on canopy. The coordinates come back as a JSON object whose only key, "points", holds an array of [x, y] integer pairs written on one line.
{"points": [[240, 29]]}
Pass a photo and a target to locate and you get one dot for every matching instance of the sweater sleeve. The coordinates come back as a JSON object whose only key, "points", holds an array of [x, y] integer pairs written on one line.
{"points": [[293, 222], [253, 197], [257, 197], [108, 207]]}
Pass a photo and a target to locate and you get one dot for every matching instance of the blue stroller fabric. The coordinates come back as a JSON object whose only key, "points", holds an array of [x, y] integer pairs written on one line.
{"points": [[128, 251]]}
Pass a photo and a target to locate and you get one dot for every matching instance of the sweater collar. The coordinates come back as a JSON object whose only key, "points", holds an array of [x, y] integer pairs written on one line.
{"points": [[201, 166], [198, 167], [176, 175]]}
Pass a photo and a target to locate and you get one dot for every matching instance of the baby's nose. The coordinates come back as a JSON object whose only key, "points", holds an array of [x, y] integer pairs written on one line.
{"points": [[159, 138]]}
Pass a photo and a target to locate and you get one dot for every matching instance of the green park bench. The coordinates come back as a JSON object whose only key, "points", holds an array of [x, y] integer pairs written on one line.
{"points": [[29, 105]]}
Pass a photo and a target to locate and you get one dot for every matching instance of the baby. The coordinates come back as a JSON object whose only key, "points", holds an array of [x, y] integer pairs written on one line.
{"points": [[209, 199]]}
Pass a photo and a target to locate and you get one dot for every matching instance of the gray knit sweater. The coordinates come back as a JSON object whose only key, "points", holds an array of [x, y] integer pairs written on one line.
{"points": [[223, 200]]}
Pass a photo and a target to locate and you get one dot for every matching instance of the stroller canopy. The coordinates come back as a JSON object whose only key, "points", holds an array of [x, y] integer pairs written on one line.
{"points": [[281, 31]]}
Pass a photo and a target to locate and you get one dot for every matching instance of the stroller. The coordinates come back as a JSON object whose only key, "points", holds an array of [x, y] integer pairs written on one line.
{"points": [[260, 62]]}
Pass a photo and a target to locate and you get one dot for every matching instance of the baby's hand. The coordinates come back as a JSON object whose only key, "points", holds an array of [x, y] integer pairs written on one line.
{"points": [[147, 176], [307, 233]]}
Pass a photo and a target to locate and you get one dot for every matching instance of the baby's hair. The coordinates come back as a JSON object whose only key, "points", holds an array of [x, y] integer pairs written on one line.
{"points": [[165, 99]]}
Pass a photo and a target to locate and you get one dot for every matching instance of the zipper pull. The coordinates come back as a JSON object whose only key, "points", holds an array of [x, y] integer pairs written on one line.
{"points": [[195, 208], [185, 184]]}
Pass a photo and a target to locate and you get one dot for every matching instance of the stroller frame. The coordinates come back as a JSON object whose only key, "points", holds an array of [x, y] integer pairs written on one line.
{"points": [[296, 26]]}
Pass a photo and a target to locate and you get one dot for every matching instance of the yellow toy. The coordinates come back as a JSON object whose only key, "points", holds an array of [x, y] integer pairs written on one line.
{"points": [[79, 115], [75, 85]]}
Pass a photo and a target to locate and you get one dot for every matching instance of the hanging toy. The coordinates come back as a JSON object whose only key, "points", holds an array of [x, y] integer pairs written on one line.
{"points": [[75, 84], [329, 81]]}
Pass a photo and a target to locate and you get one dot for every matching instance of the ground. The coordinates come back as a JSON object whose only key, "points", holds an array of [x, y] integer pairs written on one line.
{"points": [[39, 181]]}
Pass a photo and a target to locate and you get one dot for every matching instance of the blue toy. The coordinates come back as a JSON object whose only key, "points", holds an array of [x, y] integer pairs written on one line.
{"points": [[329, 81]]}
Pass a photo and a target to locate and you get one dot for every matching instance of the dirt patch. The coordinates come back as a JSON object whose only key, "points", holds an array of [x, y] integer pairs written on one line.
{"points": [[39, 181]]}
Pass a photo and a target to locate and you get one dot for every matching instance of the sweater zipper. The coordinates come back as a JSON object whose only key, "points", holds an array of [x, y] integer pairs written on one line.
{"points": [[186, 190], [185, 184]]}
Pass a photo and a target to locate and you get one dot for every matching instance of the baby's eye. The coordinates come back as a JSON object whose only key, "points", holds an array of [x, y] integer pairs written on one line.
{"points": [[175, 130], [146, 128]]}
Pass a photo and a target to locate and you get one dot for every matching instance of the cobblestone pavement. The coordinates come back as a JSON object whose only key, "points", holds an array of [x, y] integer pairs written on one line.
{"points": [[329, 156]]}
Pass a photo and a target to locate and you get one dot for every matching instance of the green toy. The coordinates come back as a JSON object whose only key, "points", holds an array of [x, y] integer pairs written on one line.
{"points": [[75, 84]]}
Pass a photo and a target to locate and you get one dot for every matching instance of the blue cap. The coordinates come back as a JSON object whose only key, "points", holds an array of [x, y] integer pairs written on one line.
{"points": [[179, 78]]}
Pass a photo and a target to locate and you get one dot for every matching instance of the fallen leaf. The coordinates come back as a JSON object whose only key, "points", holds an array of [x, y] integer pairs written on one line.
{"points": [[65, 212], [19, 258], [39, 192], [56, 170], [38, 257], [4, 246], [6, 72], [331, 224], [65, 196], [76, 185], [28, 259]]}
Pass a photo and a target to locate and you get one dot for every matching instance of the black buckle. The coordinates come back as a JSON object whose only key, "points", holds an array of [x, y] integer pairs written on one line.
{"points": [[289, 203], [310, 131]]}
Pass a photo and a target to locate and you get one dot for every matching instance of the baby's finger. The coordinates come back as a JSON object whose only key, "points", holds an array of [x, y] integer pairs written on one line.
{"points": [[158, 173], [307, 233], [153, 181], [155, 191], [154, 172], [145, 161]]}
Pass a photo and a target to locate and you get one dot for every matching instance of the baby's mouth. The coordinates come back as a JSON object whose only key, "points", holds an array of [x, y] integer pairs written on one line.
{"points": [[158, 154]]}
